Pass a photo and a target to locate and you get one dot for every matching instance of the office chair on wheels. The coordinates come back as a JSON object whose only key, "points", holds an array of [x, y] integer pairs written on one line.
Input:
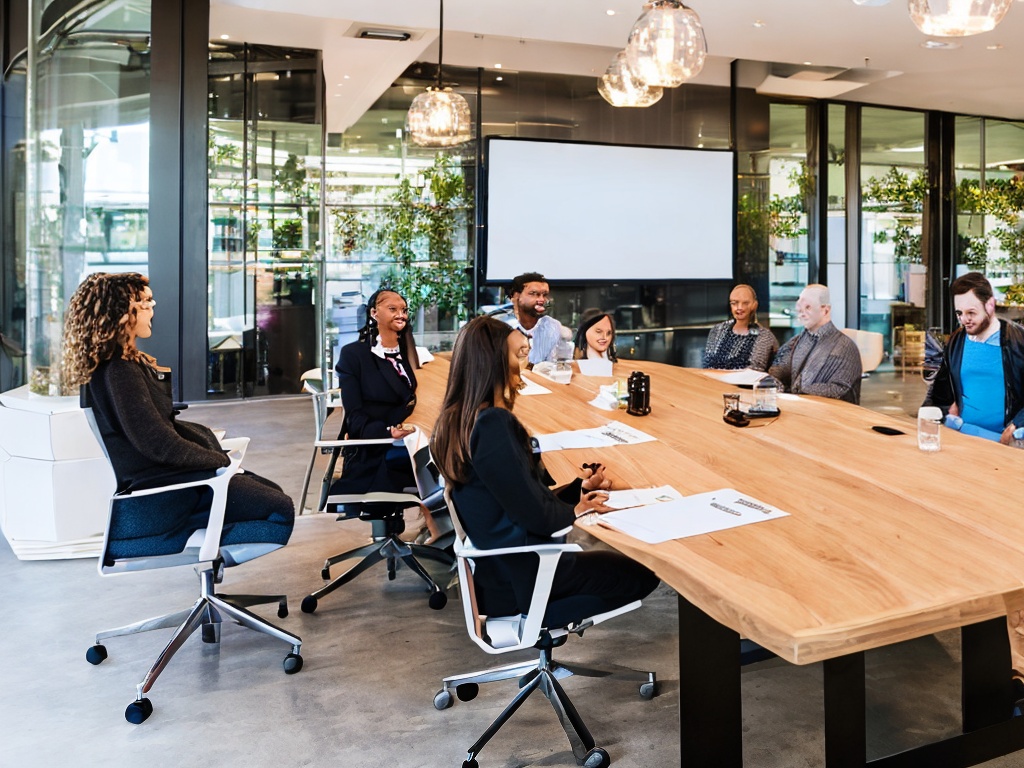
{"points": [[136, 540], [505, 634], [385, 511]]}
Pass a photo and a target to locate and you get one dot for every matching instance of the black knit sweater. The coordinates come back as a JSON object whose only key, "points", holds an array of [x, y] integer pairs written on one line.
{"points": [[135, 413]]}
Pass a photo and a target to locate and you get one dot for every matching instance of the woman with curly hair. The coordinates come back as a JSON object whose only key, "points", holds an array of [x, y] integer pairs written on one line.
{"points": [[131, 400]]}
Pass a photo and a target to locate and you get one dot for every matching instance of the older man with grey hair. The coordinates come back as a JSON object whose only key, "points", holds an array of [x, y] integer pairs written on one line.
{"points": [[820, 360]]}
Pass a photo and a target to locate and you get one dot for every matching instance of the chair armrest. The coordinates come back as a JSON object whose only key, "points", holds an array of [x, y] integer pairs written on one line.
{"points": [[548, 555], [367, 441], [210, 548]]}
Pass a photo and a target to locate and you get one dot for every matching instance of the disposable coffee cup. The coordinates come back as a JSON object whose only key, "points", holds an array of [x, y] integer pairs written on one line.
{"points": [[929, 426]]}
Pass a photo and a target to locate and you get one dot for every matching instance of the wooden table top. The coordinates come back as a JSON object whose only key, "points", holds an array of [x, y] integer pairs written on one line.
{"points": [[883, 543]]}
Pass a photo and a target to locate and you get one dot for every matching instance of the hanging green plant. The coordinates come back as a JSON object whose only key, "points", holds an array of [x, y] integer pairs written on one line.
{"points": [[288, 235]]}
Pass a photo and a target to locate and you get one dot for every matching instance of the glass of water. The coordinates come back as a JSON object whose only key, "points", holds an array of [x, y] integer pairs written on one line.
{"points": [[929, 424]]}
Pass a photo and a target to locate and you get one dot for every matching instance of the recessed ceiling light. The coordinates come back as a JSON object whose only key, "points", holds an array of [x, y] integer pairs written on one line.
{"points": [[497, 66], [994, 47], [940, 45], [225, 37], [807, 63], [499, 78], [758, 24], [344, 77], [870, 2], [610, 12]]}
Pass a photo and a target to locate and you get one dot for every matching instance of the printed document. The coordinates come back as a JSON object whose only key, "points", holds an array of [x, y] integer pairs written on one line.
{"points": [[612, 433], [690, 516]]}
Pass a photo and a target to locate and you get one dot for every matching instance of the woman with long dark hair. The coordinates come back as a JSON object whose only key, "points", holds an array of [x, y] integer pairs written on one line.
{"points": [[499, 486], [130, 396]]}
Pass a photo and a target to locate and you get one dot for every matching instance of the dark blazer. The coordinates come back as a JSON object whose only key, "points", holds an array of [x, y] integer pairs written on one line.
{"points": [[505, 502], [375, 398]]}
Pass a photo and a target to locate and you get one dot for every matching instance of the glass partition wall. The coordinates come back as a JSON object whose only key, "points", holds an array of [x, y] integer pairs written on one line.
{"points": [[894, 265], [87, 161], [264, 233]]}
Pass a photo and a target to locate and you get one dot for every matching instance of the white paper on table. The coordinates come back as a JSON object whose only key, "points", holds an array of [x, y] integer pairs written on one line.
{"points": [[638, 497], [745, 376], [424, 355], [597, 367], [690, 516], [532, 387], [612, 433], [607, 398]]}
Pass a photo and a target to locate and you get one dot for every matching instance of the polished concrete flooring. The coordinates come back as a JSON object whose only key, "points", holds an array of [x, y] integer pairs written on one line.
{"points": [[374, 657]]}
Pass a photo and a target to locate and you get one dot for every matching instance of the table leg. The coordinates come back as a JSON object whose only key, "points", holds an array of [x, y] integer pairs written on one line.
{"points": [[710, 706], [845, 701], [986, 692]]}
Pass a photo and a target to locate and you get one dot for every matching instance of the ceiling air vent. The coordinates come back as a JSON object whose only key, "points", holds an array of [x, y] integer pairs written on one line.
{"points": [[394, 35]]}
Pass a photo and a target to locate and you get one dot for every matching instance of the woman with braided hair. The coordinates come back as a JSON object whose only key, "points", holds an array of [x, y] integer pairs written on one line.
{"points": [[131, 400], [377, 376]]}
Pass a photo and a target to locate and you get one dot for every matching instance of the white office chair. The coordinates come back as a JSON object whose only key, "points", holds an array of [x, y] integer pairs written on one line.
{"points": [[322, 408], [871, 346], [505, 634], [387, 520], [134, 541]]}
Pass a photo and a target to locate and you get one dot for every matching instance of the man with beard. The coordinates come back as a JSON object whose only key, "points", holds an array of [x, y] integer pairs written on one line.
{"points": [[980, 383], [529, 294]]}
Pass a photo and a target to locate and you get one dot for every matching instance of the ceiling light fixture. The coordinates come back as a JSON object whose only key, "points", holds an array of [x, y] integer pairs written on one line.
{"points": [[957, 18], [620, 88], [666, 46], [870, 2], [439, 117]]}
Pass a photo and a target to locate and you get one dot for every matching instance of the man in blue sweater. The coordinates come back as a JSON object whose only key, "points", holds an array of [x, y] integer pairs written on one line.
{"points": [[980, 384]]}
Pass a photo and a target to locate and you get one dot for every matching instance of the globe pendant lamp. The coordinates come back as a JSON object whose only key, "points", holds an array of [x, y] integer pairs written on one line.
{"points": [[440, 117], [957, 18], [620, 89], [666, 46]]}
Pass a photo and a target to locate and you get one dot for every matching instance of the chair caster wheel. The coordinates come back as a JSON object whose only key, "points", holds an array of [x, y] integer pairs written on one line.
{"points": [[138, 711], [391, 575], [211, 633], [648, 691], [437, 600], [308, 604], [282, 610], [596, 758], [467, 691], [325, 574], [470, 763], [443, 700], [97, 654], [292, 663]]}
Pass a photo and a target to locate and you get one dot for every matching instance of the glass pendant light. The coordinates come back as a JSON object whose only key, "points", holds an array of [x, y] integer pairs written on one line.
{"points": [[439, 117], [667, 46], [957, 18], [620, 89]]}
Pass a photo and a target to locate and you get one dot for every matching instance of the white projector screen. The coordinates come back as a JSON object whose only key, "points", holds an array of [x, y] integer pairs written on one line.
{"points": [[581, 212]]}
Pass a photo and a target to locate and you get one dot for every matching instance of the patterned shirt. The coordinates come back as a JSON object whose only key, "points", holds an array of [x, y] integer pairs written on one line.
{"points": [[822, 362], [726, 350]]}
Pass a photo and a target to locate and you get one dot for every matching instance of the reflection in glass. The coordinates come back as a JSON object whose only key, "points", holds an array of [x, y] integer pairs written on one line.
{"points": [[87, 185]]}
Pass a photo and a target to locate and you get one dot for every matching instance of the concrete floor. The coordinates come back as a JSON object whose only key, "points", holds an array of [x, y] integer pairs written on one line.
{"points": [[374, 657]]}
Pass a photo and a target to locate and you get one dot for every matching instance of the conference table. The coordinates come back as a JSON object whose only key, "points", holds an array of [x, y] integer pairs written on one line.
{"points": [[883, 543]]}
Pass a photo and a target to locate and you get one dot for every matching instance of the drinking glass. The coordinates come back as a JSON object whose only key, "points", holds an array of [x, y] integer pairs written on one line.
{"points": [[929, 424]]}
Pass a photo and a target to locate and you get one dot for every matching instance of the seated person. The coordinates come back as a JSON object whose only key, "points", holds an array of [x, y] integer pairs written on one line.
{"points": [[980, 382], [740, 342], [377, 377], [497, 480], [595, 338], [131, 400], [820, 360], [530, 294]]}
